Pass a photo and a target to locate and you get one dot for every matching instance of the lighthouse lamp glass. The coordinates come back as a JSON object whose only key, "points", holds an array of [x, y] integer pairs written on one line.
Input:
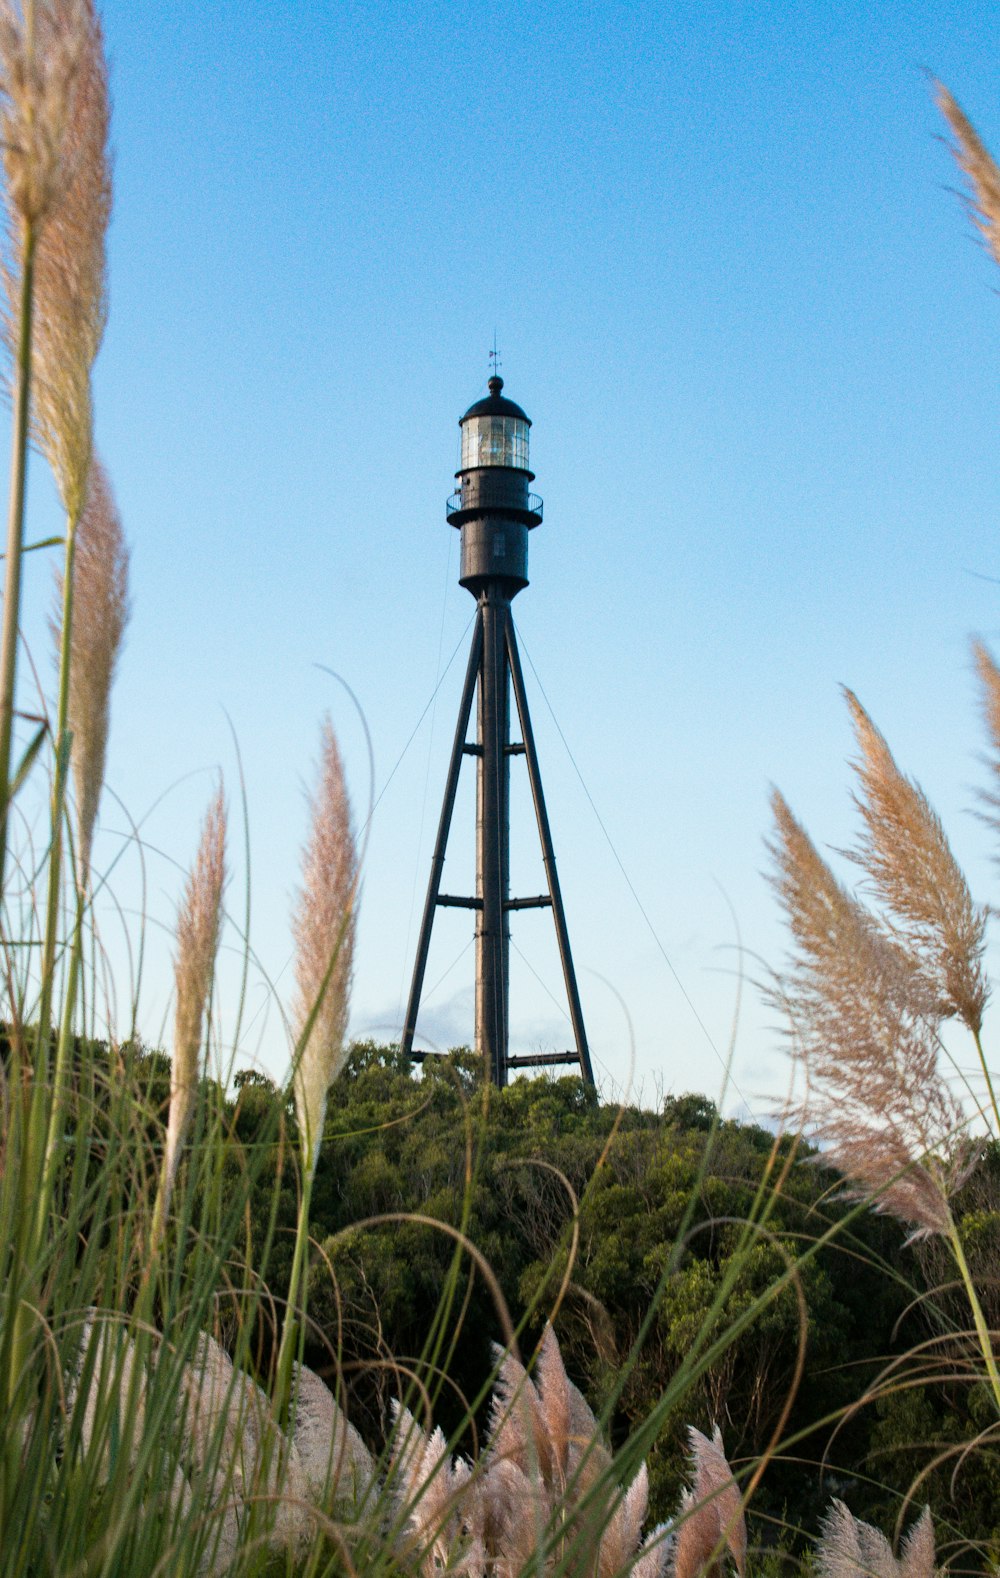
{"points": [[495, 441]]}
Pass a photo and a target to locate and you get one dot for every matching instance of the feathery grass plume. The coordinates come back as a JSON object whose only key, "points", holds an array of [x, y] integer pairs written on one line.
{"points": [[906, 853], [444, 1512], [323, 928], [711, 1518], [87, 649], [555, 1400], [540, 1498], [617, 1534], [69, 267], [198, 926], [235, 1445], [865, 1027], [335, 1461], [101, 612], [522, 1430], [41, 48], [545, 1427], [979, 168], [71, 282], [989, 680], [229, 1448], [849, 1548]]}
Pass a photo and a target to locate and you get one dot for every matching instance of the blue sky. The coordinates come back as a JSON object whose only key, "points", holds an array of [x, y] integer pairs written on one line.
{"points": [[759, 346]]}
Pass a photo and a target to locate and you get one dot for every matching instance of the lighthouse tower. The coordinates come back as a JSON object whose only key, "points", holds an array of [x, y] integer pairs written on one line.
{"points": [[494, 511]]}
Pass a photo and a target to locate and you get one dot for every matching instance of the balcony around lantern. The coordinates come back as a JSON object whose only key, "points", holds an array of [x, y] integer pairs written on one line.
{"points": [[498, 492]]}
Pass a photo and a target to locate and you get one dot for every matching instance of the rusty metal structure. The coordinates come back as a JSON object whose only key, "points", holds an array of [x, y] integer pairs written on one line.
{"points": [[494, 511]]}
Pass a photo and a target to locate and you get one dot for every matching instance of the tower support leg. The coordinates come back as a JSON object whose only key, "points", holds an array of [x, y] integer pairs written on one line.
{"points": [[441, 842], [548, 853]]}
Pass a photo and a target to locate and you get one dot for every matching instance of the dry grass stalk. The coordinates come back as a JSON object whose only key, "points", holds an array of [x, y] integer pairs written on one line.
{"points": [[866, 1028], [198, 926], [323, 927], [849, 1548], [72, 206], [905, 852], [100, 574], [979, 168]]}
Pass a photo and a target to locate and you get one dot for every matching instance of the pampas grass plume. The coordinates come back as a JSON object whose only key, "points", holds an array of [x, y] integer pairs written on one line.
{"points": [[59, 182], [989, 681], [323, 927], [443, 1509], [866, 1027], [100, 575], [198, 926], [712, 1513], [40, 55], [70, 279], [905, 852], [849, 1548], [540, 1498], [979, 168]]}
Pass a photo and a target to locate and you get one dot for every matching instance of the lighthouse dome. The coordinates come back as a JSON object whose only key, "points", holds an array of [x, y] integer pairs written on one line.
{"points": [[495, 404]]}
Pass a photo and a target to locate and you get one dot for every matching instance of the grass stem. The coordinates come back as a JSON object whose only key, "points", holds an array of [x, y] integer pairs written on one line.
{"points": [[292, 1321], [989, 1083], [982, 1330], [15, 534]]}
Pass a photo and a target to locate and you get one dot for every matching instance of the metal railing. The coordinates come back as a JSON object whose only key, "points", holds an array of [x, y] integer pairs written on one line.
{"points": [[485, 497]]}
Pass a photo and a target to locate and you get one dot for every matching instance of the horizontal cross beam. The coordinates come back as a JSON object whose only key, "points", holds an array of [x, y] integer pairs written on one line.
{"points": [[541, 1058], [537, 1061]]}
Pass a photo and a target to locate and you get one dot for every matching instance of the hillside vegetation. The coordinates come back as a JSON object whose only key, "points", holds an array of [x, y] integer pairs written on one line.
{"points": [[609, 1218]]}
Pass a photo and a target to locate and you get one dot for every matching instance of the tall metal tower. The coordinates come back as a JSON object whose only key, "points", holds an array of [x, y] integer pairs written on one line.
{"points": [[494, 512]]}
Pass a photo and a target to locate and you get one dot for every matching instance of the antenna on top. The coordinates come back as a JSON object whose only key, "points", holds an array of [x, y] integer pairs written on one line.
{"points": [[494, 358]]}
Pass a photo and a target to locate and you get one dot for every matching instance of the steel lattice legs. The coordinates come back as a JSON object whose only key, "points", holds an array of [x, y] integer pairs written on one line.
{"points": [[494, 666]]}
